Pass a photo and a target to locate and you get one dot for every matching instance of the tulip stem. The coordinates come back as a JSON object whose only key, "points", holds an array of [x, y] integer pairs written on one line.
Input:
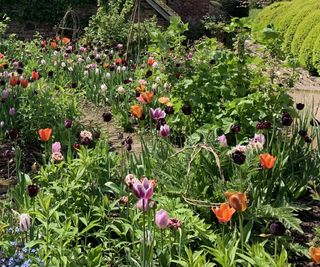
{"points": [[161, 233], [241, 230], [275, 247], [144, 235]]}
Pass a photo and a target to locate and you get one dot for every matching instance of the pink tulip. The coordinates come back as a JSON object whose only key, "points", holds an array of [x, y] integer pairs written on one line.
{"points": [[222, 139], [162, 219], [56, 147]]}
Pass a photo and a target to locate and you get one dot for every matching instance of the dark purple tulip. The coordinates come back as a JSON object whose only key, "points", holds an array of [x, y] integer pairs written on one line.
{"points": [[300, 106], [302, 133], [169, 110], [2, 82], [187, 110], [73, 85], [148, 74], [286, 119], [96, 134], [50, 73], [76, 146], [107, 116], [238, 157], [307, 139], [33, 190], [235, 128], [85, 141], [68, 123], [13, 134], [277, 228]]}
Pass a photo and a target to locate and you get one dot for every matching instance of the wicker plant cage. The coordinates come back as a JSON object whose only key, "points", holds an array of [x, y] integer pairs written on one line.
{"points": [[69, 25]]}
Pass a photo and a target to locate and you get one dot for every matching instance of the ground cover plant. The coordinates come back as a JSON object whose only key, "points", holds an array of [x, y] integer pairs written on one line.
{"points": [[227, 166]]}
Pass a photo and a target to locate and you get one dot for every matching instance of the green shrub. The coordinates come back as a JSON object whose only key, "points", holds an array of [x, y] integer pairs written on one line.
{"points": [[306, 51], [290, 33], [282, 22], [303, 30], [267, 15], [316, 55]]}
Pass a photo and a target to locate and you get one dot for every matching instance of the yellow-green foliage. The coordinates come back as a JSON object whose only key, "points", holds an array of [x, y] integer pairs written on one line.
{"points": [[316, 55], [289, 35], [267, 15], [282, 22], [303, 30], [307, 48]]}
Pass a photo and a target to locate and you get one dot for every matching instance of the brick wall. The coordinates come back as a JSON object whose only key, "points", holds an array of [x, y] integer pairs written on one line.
{"points": [[189, 9], [27, 29]]}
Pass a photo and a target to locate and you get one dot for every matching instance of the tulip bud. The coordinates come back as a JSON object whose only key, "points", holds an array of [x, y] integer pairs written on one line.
{"points": [[24, 222], [277, 228], [162, 219]]}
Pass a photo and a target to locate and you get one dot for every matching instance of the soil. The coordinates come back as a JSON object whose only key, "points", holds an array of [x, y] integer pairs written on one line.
{"points": [[91, 116]]}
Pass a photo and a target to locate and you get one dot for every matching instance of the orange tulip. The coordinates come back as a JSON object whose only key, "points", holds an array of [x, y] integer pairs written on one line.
{"points": [[14, 80], [146, 97], [224, 213], [53, 45], [267, 161], [58, 38], [35, 75], [65, 40], [315, 254], [118, 61], [150, 61], [24, 83], [136, 111], [237, 200], [45, 134], [165, 101]]}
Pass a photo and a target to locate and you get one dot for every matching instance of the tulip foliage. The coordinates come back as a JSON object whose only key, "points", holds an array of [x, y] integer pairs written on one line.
{"points": [[197, 158]]}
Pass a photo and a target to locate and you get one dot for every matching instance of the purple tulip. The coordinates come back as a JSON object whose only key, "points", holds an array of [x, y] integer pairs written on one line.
{"points": [[56, 147], [157, 113], [164, 130], [143, 191], [162, 219], [222, 139], [24, 222], [12, 111], [5, 94]]}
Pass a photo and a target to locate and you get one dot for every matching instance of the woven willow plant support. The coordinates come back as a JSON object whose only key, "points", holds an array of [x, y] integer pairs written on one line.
{"points": [[69, 16]]}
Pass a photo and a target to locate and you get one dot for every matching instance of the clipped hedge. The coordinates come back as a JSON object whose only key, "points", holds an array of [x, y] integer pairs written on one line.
{"points": [[268, 15], [307, 48], [283, 22], [303, 30], [316, 55], [298, 24], [290, 33]]}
